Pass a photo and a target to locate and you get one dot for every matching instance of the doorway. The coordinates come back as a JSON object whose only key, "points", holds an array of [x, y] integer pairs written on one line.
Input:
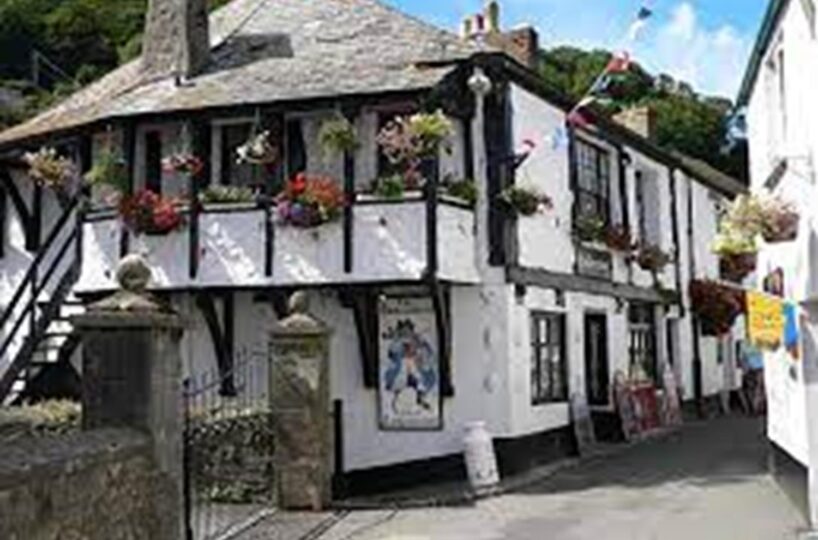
{"points": [[597, 375]]}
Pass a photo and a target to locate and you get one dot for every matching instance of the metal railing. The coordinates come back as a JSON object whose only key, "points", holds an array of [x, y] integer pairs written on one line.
{"points": [[61, 243]]}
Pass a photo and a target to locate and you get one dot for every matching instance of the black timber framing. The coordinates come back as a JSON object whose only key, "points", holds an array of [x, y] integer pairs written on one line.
{"points": [[3, 219], [35, 225], [351, 115], [222, 336], [674, 224], [571, 282], [201, 147], [498, 151], [698, 384], [443, 320], [18, 201], [129, 154], [363, 302]]}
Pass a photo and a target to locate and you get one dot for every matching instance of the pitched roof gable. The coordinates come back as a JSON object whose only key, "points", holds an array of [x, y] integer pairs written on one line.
{"points": [[265, 51]]}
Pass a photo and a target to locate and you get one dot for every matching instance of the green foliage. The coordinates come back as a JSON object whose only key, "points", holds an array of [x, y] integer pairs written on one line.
{"points": [[226, 195], [695, 125]]}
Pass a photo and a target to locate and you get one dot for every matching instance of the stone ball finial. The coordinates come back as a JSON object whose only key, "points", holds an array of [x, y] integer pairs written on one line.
{"points": [[133, 274], [299, 303]]}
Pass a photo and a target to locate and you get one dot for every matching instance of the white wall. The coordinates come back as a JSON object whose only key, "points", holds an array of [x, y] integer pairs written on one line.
{"points": [[798, 145]]}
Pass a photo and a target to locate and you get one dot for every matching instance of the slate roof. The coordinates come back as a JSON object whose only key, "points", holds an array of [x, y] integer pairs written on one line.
{"points": [[265, 51]]}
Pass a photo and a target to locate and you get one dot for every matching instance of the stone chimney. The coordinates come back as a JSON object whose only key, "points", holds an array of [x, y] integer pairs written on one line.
{"points": [[522, 44], [641, 120], [176, 39]]}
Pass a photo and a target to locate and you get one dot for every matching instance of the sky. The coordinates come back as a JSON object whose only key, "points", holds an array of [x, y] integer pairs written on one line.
{"points": [[705, 42]]}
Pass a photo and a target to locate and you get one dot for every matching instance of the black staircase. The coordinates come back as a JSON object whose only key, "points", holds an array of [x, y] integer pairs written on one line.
{"points": [[37, 303]]}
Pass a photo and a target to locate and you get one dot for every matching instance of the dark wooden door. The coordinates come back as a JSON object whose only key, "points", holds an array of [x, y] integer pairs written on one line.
{"points": [[597, 376]]}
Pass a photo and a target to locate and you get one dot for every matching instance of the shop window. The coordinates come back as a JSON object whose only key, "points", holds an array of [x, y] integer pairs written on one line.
{"points": [[548, 362], [642, 336], [593, 176]]}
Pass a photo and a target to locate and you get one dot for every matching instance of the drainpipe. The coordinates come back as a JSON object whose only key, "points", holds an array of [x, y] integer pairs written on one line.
{"points": [[697, 357]]}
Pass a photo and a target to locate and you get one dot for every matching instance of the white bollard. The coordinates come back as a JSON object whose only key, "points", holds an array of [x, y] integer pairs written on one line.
{"points": [[481, 463]]}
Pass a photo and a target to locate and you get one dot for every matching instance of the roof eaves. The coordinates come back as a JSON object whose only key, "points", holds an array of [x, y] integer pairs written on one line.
{"points": [[772, 17]]}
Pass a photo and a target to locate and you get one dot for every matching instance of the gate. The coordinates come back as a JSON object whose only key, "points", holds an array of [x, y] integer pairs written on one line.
{"points": [[229, 483]]}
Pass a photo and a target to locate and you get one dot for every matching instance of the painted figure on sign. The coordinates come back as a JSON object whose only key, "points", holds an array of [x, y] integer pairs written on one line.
{"points": [[412, 366]]}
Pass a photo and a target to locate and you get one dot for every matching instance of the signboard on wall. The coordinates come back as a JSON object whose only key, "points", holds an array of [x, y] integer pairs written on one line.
{"points": [[765, 320], [409, 396], [594, 263]]}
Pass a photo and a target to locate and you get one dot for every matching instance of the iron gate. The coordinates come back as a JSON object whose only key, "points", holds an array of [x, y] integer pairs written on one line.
{"points": [[228, 449]]}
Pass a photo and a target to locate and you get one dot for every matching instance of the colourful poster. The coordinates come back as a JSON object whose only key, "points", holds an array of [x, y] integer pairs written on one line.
{"points": [[765, 320], [409, 373]]}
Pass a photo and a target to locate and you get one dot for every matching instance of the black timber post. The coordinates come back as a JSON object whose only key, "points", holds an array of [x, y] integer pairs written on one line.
{"points": [[129, 154], [698, 392], [35, 222], [86, 158], [674, 223], [498, 152], [3, 219], [350, 198], [202, 150], [431, 220]]}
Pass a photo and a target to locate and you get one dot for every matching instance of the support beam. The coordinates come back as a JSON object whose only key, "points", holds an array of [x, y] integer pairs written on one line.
{"points": [[3, 220], [202, 148], [350, 196], [17, 200], [129, 154], [221, 338], [441, 305], [571, 282], [364, 305]]}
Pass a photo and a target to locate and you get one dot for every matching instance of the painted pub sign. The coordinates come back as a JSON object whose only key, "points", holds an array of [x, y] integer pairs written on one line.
{"points": [[409, 373]]}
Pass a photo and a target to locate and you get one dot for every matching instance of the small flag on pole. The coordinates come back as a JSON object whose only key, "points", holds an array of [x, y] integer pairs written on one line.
{"points": [[639, 24]]}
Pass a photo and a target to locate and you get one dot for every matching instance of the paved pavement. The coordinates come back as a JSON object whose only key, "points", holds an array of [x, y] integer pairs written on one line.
{"points": [[707, 482]]}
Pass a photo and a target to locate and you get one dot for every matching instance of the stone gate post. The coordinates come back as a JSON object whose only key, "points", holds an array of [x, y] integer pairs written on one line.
{"points": [[299, 371], [132, 377]]}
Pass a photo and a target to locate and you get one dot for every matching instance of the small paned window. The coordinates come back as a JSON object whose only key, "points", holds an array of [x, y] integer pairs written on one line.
{"points": [[548, 363]]}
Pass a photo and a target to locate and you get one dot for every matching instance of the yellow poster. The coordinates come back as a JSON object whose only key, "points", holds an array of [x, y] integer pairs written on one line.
{"points": [[765, 320]]}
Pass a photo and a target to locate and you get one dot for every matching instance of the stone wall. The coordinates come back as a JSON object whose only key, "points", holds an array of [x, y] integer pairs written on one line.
{"points": [[89, 485]]}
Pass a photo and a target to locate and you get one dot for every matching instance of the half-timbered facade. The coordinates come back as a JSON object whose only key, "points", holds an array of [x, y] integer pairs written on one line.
{"points": [[517, 312]]}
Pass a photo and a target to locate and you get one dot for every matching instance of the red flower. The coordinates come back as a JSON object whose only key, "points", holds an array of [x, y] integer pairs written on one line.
{"points": [[298, 184]]}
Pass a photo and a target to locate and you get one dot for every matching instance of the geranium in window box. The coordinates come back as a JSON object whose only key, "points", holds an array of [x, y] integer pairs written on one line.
{"points": [[183, 163], [146, 212], [524, 201], [310, 201], [716, 306], [781, 221], [48, 168], [651, 258], [618, 238]]}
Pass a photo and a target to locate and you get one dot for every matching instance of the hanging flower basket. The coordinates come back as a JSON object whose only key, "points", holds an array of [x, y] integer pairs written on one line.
{"points": [[737, 266], [146, 212], [183, 163], [746, 216], [715, 305], [524, 201], [257, 150], [310, 201], [781, 221], [732, 241], [338, 136], [49, 169], [109, 169], [652, 258], [590, 229], [618, 238]]}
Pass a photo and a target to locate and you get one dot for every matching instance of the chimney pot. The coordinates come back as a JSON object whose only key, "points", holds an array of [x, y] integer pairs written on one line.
{"points": [[641, 120], [176, 39]]}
